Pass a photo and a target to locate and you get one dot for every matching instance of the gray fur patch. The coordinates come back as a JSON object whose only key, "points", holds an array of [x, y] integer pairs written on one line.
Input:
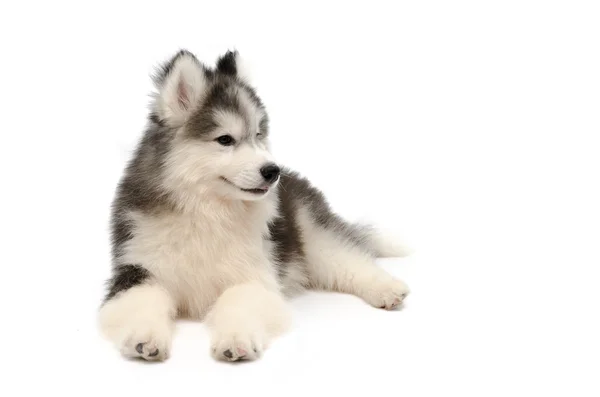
{"points": [[223, 94], [296, 192]]}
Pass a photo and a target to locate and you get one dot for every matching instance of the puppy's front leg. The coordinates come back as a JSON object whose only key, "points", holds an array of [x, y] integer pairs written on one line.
{"points": [[243, 321]]}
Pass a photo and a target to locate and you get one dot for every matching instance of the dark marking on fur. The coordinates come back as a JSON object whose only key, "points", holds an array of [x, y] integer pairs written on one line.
{"points": [[125, 277], [139, 348], [227, 63], [284, 230], [223, 95], [296, 192], [202, 123], [302, 190], [153, 117], [139, 188]]}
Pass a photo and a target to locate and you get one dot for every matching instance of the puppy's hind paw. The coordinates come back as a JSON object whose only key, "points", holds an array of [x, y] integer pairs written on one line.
{"points": [[388, 295]]}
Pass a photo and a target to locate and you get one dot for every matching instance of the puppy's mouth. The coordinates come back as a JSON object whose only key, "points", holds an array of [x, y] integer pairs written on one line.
{"points": [[257, 190]]}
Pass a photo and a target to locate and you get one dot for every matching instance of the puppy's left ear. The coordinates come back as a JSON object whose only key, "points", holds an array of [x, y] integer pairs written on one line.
{"points": [[233, 65], [181, 84]]}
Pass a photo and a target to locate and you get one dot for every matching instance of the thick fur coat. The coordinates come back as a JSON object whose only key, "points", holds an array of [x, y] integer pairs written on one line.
{"points": [[206, 225]]}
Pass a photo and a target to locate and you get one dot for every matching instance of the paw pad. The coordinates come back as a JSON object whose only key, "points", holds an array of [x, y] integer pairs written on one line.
{"points": [[147, 352]]}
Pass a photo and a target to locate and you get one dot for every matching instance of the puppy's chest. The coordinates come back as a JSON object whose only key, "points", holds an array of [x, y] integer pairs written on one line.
{"points": [[192, 244], [197, 257]]}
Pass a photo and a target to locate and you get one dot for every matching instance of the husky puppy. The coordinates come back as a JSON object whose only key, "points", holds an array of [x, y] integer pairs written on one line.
{"points": [[207, 225]]}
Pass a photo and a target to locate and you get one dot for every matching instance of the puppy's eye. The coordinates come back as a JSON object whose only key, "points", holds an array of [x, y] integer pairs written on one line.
{"points": [[226, 140], [260, 135]]}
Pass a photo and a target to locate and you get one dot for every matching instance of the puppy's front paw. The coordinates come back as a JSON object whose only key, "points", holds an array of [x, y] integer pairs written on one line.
{"points": [[387, 295], [240, 344], [148, 341]]}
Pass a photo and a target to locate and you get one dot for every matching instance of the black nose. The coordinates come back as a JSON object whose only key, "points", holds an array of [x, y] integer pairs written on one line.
{"points": [[270, 172]]}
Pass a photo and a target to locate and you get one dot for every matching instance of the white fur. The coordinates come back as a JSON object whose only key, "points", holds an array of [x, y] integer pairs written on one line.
{"points": [[142, 314], [244, 320], [230, 123], [196, 257], [196, 169], [243, 168], [334, 264]]}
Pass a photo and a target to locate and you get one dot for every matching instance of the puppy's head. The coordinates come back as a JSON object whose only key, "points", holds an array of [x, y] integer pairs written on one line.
{"points": [[219, 126]]}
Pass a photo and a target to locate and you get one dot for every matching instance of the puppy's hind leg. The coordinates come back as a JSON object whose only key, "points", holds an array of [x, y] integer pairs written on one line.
{"points": [[337, 263], [138, 319]]}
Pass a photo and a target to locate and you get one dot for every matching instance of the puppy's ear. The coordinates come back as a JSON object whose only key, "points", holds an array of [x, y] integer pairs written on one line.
{"points": [[181, 84], [233, 65]]}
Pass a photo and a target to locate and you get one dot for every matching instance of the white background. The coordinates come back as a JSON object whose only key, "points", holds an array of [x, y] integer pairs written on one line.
{"points": [[470, 127]]}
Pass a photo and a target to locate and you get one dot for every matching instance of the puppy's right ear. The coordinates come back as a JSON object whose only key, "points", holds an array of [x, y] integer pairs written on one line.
{"points": [[181, 84], [232, 64]]}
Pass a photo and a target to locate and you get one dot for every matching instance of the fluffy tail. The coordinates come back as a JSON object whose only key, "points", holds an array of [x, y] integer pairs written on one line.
{"points": [[387, 245]]}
